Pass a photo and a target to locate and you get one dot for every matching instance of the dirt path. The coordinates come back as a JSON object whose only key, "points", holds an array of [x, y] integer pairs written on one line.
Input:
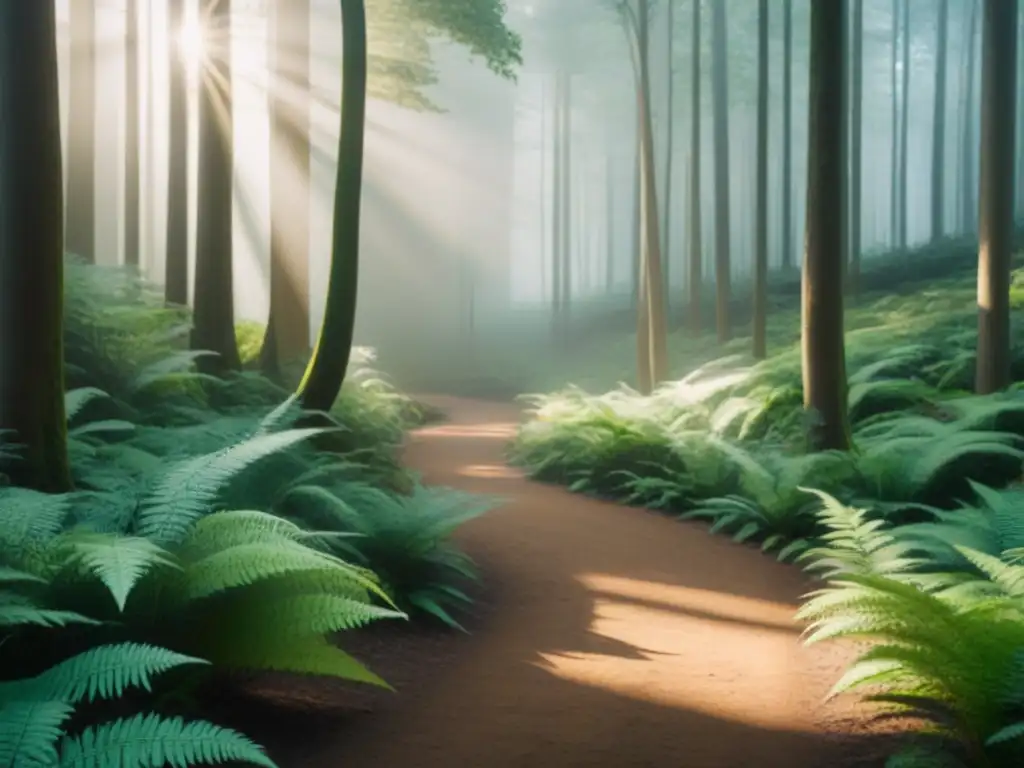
{"points": [[617, 639]]}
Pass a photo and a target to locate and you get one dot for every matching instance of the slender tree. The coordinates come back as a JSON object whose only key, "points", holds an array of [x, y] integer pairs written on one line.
{"points": [[213, 315], [856, 132], [327, 367], [31, 248], [761, 225], [939, 122], [720, 114], [787, 134], [670, 130], [905, 127], [995, 224], [968, 211], [287, 334], [696, 272], [176, 259], [80, 234], [131, 134], [894, 174], [824, 366]]}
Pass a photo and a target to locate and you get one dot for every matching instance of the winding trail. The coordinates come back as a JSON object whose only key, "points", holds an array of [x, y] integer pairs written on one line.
{"points": [[618, 639]]}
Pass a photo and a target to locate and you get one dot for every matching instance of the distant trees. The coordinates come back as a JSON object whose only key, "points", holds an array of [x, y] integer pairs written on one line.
{"points": [[760, 329], [720, 112], [81, 171], [31, 249]]}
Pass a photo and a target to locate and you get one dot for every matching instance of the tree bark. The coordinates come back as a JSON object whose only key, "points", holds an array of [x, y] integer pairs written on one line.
{"points": [[31, 248], [325, 373], [824, 366], [995, 223], [905, 127], [287, 336], [213, 316], [80, 234], [720, 112]]}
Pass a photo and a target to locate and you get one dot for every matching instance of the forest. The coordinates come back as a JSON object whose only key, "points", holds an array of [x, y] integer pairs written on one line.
{"points": [[512, 383]]}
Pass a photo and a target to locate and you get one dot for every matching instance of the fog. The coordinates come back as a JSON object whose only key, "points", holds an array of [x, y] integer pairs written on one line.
{"points": [[456, 224]]}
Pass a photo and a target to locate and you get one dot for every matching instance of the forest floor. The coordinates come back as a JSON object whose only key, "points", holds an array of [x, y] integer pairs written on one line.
{"points": [[609, 637]]}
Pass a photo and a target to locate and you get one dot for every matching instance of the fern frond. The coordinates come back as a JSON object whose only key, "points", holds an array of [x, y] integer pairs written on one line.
{"points": [[151, 741], [29, 731], [189, 490], [117, 561]]}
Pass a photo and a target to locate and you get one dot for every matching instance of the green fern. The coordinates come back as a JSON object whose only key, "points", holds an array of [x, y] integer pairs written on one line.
{"points": [[34, 713]]}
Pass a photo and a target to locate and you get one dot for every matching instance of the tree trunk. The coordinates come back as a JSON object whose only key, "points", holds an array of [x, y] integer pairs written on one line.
{"points": [[327, 366], [720, 113], [905, 127], [176, 259], [609, 223], [894, 178], [696, 272], [856, 132], [567, 200], [761, 225], [542, 193], [131, 135], [787, 134], [31, 248], [995, 223], [651, 250], [824, 367], [939, 123], [968, 211], [213, 316], [556, 211], [670, 129], [287, 336], [80, 234]]}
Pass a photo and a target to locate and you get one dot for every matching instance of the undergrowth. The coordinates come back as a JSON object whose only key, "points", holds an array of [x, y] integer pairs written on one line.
{"points": [[206, 534]]}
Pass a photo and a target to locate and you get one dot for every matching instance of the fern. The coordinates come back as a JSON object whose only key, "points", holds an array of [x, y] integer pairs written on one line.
{"points": [[34, 713]]}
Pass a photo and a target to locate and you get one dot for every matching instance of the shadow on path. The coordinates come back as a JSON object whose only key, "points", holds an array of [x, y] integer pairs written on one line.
{"points": [[614, 638]]}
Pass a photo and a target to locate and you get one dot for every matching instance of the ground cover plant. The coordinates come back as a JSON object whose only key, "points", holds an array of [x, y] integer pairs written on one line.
{"points": [[206, 533], [915, 531]]}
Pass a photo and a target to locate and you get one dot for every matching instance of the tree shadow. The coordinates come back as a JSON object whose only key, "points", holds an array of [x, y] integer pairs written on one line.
{"points": [[606, 637]]}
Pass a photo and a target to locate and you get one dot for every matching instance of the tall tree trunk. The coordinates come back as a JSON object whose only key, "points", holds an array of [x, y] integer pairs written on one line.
{"points": [[670, 130], [894, 179], [80, 234], [905, 127], [132, 245], [995, 233], [856, 132], [213, 316], [542, 193], [327, 367], [696, 256], [651, 251], [287, 335], [787, 133], [556, 212], [939, 123], [761, 225], [634, 298], [720, 112], [32, 248], [824, 366], [609, 222], [176, 259], [968, 212], [567, 206], [1019, 195]]}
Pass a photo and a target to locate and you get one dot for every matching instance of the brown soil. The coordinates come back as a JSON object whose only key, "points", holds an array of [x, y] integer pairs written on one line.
{"points": [[607, 637]]}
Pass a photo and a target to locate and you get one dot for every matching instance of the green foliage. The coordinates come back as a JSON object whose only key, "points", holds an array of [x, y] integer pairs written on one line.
{"points": [[35, 711], [404, 539], [945, 644]]}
